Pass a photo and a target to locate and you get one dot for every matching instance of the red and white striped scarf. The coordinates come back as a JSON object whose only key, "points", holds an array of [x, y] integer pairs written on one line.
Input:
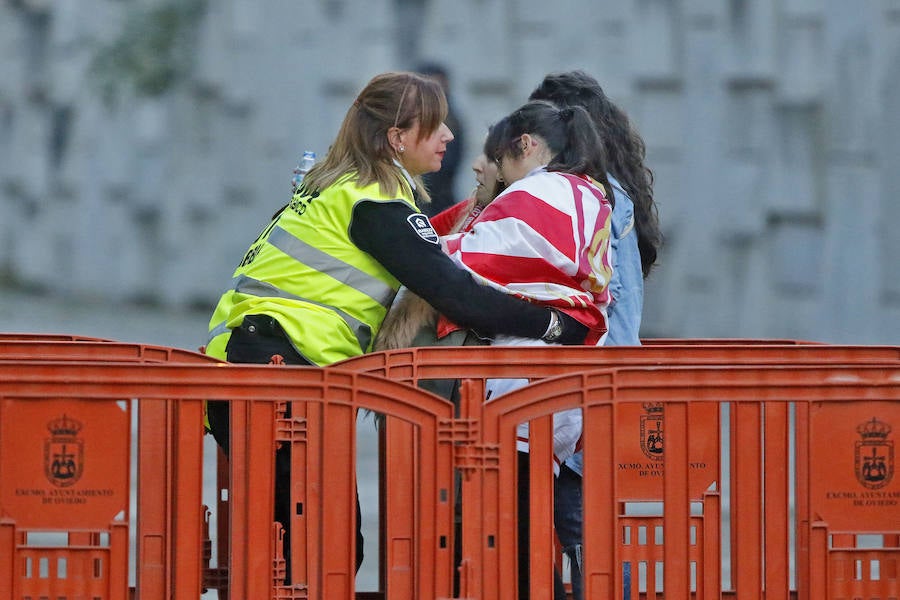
{"points": [[546, 238]]}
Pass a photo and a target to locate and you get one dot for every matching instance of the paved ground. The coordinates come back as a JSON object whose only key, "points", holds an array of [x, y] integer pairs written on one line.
{"points": [[27, 313]]}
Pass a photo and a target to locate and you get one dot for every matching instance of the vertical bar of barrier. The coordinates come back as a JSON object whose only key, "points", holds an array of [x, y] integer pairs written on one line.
{"points": [[338, 501], [252, 461], [313, 507], [600, 517], [400, 463], [399, 491], [382, 505], [223, 512], [709, 572], [428, 500], [479, 561], [818, 587], [776, 501], [540, 506], [746, 489], [300, 491], [170, 462], [500, 581], [711, 575], [842, 574], [7, 558], [677, 505], [118, 561], [843, 578], [445, 514], [805, 574], [187, 475], [154, 467], [239, 497], [260, 488]]}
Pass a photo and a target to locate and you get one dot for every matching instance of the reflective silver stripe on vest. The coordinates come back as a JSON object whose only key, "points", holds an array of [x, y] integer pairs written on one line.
{"points": [[346, 273], [255, 287], [217, 331]]}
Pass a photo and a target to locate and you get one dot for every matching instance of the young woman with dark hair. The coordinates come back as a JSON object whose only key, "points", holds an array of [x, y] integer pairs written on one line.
{"points": [[546, 237], [636, 239]]}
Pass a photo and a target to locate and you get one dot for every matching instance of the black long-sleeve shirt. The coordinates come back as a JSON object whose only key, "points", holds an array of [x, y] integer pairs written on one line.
{"points": [[404, 243]]}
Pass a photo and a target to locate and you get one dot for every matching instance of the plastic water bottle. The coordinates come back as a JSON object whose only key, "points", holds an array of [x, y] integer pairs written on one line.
{"points": [[306, 163]]}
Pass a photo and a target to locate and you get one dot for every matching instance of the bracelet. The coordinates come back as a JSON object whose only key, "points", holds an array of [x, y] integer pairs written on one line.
{"points": [[554, 330]]}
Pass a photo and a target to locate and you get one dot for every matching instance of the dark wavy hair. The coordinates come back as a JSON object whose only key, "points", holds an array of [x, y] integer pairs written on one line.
{"points": [[569, 133], [623, 148]]}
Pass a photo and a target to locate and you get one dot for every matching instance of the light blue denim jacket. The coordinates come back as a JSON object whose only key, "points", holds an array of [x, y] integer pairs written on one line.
{"points": [[626, 285]]}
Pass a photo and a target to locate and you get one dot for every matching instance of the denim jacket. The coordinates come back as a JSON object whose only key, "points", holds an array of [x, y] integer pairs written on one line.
{"points": [[627, 283]]}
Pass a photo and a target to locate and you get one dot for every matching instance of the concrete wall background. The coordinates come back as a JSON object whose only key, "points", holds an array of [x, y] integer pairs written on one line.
{"points": [[772, 126]]}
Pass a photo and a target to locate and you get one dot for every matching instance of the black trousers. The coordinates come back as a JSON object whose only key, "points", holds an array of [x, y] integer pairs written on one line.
{"points": [[258, 339]]}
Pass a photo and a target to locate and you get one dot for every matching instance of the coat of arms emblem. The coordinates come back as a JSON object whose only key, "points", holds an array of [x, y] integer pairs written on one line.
{"points": [[652, 430], [63, 452], [874, 456]]}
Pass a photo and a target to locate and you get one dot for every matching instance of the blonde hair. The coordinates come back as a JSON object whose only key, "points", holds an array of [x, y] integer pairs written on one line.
{"points": [[394, 99]]}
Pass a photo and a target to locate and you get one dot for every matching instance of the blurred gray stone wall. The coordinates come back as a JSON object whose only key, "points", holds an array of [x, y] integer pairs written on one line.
{"points": [[143, 144]]}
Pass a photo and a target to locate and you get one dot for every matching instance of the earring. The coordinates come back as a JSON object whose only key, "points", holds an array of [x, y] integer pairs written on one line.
{"points": [[401, 149]]}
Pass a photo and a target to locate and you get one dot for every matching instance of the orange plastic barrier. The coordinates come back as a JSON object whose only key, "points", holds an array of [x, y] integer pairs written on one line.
{"points": [[59, 337], [762, 520], [768, 404], [94, 350], [638, 475], [724, 342], [321, 431], [175, 512]]}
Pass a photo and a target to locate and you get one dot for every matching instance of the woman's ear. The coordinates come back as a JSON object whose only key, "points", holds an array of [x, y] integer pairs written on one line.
{"points": [[529, 143], [533, 145], [394, 139]]}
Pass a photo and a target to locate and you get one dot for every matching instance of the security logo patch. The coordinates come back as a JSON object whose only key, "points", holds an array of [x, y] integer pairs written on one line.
{"points": [[422, 226]]}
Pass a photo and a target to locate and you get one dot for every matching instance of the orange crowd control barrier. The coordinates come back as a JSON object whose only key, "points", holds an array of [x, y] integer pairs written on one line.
{"points": [[47, 337], [634, 484], [172, 514], [840, 414]]}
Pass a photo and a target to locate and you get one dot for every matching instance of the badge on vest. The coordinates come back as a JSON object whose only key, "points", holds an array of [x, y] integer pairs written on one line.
{"points": [[422, 226]]}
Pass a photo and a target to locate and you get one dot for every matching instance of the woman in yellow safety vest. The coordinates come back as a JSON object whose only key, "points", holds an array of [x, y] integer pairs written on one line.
{"points": [[315, 285]]}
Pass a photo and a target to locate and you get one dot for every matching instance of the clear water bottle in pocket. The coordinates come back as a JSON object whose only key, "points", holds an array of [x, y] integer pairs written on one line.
{"points": [[306, 163]]}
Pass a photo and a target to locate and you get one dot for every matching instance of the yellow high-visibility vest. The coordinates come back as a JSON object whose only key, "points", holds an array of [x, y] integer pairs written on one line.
{"points": [[329, 296]]}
